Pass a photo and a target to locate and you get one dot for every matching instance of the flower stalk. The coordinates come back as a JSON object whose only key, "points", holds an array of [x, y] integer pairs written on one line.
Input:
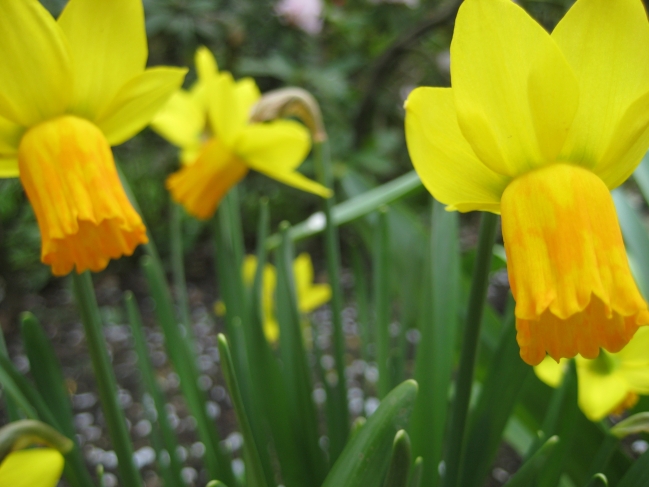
{"points": [[460, 404], [106, 383]]}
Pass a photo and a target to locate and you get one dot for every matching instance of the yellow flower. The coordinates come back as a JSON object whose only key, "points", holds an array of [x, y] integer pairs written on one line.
{"points": [[70, 89], [37, 467], [539, 127], [611, 382], [310, 296], [210, 123]]}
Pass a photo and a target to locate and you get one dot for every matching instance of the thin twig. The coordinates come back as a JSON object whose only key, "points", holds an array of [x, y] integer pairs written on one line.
{"points": [[386, 63]]}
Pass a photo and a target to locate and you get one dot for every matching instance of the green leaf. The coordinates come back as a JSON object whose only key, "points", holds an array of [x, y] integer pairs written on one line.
{"points": [[296, 370], [182, 359], [255, 476], [638, 423], [365, 458], [635, 238], [10, 404], [382, 302], [399, 471], [470, 338], [169, 441], [636, 476], [354, 208], [268, 387], [598, 480], [529, 474], [436, 350], [641, 176], [560, 421], [47, 373], [105, 375], [417, 471], [500, 390], [338, 413]]}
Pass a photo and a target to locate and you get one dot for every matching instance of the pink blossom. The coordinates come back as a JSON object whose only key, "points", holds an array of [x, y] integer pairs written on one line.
{"points": [[304, 14]]}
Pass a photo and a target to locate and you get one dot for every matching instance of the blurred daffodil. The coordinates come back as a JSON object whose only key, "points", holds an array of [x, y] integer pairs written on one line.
{"points": [[540, 127], [37, 467], [609, 383], [219, 144], [22, 466], [310, 296], [72, 88]]}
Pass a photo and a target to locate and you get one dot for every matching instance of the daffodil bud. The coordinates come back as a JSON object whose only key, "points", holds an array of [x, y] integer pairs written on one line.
{"points": [[21, 434], [291, 102]]}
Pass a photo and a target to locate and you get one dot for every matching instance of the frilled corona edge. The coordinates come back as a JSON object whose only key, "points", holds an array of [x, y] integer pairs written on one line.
{"points": [[201, 185], [568, 267], [69, 175]]}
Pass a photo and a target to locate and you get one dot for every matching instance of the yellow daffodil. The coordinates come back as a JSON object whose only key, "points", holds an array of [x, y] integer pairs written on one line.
{"points": [[611, 382], [70, 89], [539, 127], [310, 296], [38, 467], [219, 145]]}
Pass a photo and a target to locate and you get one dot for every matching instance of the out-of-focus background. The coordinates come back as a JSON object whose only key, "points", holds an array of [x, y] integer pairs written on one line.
{"points": [[359, 58]]}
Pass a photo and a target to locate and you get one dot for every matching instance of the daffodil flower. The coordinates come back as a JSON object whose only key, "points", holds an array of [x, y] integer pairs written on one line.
{"points": [[611, 382], [70, 89], [37, 467], [219, 145], [310, 296], [540, 127]]}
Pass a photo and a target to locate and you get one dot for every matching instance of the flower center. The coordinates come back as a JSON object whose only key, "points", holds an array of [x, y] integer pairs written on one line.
{"points": [[604, 363]]}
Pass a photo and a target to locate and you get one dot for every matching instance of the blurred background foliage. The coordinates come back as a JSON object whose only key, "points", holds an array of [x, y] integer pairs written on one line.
{"points": [[360, 66]]}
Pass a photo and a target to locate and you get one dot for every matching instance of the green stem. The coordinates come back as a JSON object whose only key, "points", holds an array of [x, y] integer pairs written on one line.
{"points": [[382, 303], [339, 422], [460, 405], [105, 378], [178, 267], [167, 435]]}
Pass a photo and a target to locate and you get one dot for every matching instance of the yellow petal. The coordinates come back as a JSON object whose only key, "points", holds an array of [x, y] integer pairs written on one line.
{"points": [[604, 43], [9, 167], [181, 120], [303, 269], [444, 159], [567, 265], [36, 79], [269, 282], [298, 181], [200, 186], [271, 328], [247, 93], [38, 467], [553, 93], [628, 145], [496, 47], [249, 269], [206, 66], [550, 371], [137, 102], [228, 106], [635, 355], [10, 134], [281, 145], [313, 297], [69, 175], [599, 394], [309, 295], [108, 45]]}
